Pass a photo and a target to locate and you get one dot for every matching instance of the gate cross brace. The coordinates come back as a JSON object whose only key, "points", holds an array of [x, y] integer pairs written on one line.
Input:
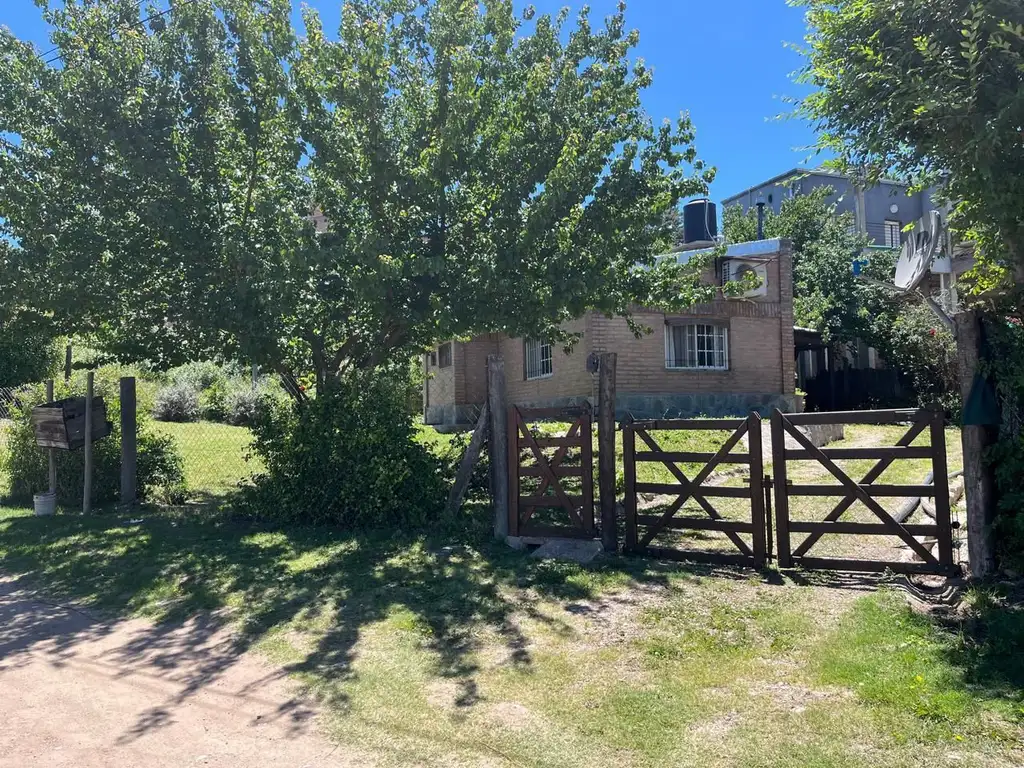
{"points": [[542, 465]]}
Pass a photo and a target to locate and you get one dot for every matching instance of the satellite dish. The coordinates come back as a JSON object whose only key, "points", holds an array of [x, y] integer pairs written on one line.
{"points": [[918, 253]]}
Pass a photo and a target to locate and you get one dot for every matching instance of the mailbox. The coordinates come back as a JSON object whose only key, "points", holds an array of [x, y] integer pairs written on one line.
{"points": [[62, 424]]}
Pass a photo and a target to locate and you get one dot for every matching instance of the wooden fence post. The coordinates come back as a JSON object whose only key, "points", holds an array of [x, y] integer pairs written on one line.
{"points": [[780, 480], [629, 467], [606, 452], [979, 484], [129, 452], [87, 483], [497, 404], [67, 363], [51, 453]]}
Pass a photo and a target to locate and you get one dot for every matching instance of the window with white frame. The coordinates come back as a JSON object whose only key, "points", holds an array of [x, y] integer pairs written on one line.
{"points": [[697, 346], [893, 233], [539, 359]]}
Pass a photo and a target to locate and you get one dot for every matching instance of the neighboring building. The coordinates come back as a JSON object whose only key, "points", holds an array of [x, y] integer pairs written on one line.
{"points": [[881, 212], [723, 358]]}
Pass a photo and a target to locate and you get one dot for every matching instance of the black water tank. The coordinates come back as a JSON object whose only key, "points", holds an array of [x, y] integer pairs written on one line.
{"points": [[700, 221]]}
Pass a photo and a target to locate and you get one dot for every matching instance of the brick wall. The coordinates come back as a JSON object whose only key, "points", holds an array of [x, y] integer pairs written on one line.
{"points": [[569, 374]]}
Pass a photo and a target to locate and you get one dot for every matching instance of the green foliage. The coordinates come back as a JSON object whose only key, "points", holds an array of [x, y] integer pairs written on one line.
{"points": [[929, 90], [178, 402], [25, 356], [190, 157], [347, 458], [827, 296], [199, 376], [920, 346], [160, 472]]}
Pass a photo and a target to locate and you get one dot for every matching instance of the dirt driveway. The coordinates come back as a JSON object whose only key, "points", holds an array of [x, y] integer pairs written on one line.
{"points": [[77, 691]]}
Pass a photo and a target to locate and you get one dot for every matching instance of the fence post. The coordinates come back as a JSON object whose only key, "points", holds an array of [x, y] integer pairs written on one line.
{"points": [[87, 483], [67, 363], [629, 467], [129, 454], [51, 452], [497, 404], [757, 513], [940, 475], [979, 484], [781, 490], [606, 452]]}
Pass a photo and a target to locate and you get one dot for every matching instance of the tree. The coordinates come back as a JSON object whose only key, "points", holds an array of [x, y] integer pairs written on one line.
{"points": [[826, 295], [932, 91], [479, 172]]}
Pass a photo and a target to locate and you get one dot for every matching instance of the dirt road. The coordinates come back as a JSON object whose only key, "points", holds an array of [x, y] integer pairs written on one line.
{"points": [[77, 691]]}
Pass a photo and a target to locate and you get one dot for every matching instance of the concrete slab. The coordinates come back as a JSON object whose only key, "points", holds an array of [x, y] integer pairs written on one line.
{"points": [[574, 550]]}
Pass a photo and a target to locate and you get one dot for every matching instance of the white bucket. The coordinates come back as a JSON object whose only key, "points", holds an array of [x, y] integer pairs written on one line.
{"points": [[45, 503]]}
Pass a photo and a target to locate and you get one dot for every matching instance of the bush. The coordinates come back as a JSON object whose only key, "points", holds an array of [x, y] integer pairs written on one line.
{"points": [[347, 458], [199, 376], [178, 402], [26, 356], [160, 466], [922, 348], [213, 401], [246, 406]]}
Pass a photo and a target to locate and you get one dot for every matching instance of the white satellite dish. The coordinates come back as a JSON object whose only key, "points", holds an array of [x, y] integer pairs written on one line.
{"points": [[918, 253]]}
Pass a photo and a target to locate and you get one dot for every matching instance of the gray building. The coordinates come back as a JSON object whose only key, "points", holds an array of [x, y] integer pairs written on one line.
{"points": [[882, 211]]}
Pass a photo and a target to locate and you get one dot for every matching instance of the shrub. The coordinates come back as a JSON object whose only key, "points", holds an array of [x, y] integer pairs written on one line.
{"points": [[920, 347], [160, 466], [178, 402], [25, 356], [213, 401], [246, 406], [199, 376], [347, 458]]}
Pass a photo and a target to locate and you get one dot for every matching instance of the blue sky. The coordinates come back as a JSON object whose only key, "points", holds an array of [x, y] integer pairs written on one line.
{"points": [[722, 60]]}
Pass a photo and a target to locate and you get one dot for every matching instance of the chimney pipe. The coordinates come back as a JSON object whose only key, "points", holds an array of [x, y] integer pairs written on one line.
{"points": [[760, 219]]}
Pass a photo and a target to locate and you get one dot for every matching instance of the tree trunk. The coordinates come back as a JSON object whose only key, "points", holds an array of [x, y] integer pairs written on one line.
{"points": [[978, 478]]}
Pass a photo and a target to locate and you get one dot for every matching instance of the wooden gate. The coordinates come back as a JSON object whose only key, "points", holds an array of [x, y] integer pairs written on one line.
{"points": [[563, 483], [866, 491], [749, 519]]}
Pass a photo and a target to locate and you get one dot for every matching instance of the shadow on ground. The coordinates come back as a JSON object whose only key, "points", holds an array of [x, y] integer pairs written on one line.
{"points": [[454, 579]]}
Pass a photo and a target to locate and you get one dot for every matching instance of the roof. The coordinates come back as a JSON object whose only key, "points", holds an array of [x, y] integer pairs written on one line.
{"points": [[751, 250], [793, 173]]}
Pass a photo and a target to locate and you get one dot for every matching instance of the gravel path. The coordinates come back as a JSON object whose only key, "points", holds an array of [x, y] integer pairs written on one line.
{"points": [[77, 691]]}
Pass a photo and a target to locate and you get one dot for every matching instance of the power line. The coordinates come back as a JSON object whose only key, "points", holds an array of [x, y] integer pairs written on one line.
{"points": [[142, 22]]}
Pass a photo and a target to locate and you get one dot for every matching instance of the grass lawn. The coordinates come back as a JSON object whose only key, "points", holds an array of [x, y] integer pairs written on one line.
{"points": [[215, 454], [444, 648]]}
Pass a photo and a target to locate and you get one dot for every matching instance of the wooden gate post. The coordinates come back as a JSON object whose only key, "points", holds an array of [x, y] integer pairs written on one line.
{"points": [[606, 452], [87, 483], [51, 453], [129, 450], [758, 538], [497, 404], [785, 558], [629, 467]]}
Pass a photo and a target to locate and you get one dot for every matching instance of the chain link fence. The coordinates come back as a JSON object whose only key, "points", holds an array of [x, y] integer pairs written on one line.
{"points": [[216, 457]]}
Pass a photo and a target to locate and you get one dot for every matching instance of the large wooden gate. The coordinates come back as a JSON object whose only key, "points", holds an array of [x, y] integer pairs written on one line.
{"points": [[745, 517], [934, 548], [560, 486]]}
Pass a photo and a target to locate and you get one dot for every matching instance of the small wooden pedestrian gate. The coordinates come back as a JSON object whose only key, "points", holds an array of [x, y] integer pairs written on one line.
{"points": [[561, 491], [746, 516], [936, 536]]}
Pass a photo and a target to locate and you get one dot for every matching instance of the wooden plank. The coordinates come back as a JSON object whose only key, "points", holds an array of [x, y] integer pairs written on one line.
{"points": [[873, 474], [689, 457], [606, 451], [629, 468], [542, 462], [563, 441], [861, 494], [895, 416], [469, 460], [129, 448], [555, 531], [865, 529], [781, 490], [880, 490], [87, 484], [708, 491], [873, 566], [940, 474], [548, 501], [558, 471], [553, 465], [843, 454], [587, 461], [502, 450], [699, 524], [756, 488], [569, 413], [698, 424]]}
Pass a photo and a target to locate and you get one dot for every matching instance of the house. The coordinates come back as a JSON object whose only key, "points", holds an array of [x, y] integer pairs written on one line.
{"points": [[880, 212], [718, 359]]}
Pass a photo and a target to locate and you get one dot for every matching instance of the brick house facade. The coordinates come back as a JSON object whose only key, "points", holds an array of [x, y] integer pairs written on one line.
{"points": [[723, 358]]}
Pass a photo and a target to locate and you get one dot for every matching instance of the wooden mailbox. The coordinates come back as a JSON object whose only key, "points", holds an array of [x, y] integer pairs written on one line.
{"points": [[62, 424]]}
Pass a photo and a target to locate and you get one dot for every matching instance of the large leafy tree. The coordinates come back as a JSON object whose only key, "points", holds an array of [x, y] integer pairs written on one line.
{"points": [[477, 172], [931, 90], [826, 294]]}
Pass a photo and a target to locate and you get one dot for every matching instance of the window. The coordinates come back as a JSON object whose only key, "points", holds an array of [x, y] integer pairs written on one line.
{"points": [[697, 347], [444, 355], [433, 359], [538, 360], [893, 233]]}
